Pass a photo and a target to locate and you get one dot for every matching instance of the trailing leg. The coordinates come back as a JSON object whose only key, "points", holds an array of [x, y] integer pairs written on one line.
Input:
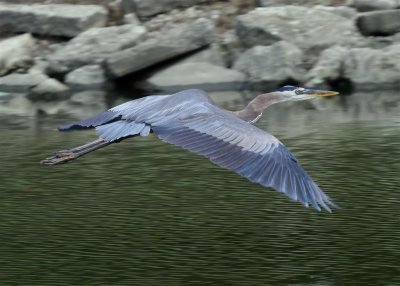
{"points": [[65, 156]]}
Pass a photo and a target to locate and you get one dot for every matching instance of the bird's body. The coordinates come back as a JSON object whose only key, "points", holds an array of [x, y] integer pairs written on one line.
{"points": [[191, 120]]}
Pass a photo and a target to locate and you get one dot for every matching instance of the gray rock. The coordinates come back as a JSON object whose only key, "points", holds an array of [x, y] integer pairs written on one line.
{"points": [[197, 75], [16, 52], [365, 68], [344, 11], [328, 67], [276, 3], [212, 55], [372, 69], [49, 90], [171, 19], [169, 44], [308, 28], [379, 23], [90, 77], [146, 8], [93, 46], [20, 83], [269, 66], [131, 19], [52, 19], [371, 5]]}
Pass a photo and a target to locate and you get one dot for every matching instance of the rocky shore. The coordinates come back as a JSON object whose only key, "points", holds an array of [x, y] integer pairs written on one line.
{"points": [[53, 55]]}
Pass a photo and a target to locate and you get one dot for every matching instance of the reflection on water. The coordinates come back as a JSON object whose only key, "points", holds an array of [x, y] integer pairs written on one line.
{"points": [[145, 213]]}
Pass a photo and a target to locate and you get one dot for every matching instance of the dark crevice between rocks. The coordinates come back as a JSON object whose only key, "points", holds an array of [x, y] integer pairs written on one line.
{"points": [[343, 85], [134, 84], [58, 76]]}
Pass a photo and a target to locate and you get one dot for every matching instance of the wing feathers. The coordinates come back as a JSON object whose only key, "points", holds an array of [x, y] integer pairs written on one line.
{"points": [[102, 118], [121, 129], [267, 164]]}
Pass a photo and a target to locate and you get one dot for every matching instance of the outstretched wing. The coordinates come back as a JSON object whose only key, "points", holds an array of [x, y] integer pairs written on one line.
{"points": [[134, 117], [243, 148], [190, 120]]}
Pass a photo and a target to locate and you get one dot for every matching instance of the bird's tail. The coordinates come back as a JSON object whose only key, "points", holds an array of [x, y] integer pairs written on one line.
{"points": [[65, 156]]}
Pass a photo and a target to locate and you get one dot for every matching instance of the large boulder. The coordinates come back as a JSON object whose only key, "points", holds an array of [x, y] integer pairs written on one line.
{"points": [[308, 28], [270, 66], [93, 46], [197, 75], [328, 67], [169, 44], [371, 5], [379, 23], [372, 69], [146, 8], [16, 52], [52, 19], [364, 68]]}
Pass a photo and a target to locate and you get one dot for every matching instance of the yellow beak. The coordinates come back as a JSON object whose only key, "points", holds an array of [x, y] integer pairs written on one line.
{"points": [[324, 93]]}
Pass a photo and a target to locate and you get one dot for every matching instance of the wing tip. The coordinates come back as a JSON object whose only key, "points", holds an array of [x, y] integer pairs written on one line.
{"points": [[69, 127], [326, 205], [92, 122]]}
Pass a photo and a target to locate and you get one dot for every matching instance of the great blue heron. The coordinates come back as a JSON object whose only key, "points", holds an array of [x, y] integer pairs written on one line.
{"points": [[191, 120]]}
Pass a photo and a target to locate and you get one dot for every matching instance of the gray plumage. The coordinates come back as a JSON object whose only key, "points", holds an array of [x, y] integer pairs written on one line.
{"points": [[190, 119]]}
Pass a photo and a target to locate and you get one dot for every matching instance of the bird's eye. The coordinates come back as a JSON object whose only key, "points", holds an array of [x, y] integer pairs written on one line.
{"points": [[299, 91]]}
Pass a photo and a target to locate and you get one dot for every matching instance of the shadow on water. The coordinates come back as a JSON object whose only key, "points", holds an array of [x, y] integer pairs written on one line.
{"points": [[145, 213]]}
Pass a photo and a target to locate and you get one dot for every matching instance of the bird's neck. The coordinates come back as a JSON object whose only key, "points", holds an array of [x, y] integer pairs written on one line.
{"points": [[253, 111]]}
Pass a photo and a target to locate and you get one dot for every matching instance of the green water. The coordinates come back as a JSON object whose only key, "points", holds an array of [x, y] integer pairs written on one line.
{"points": [[145, 213]]}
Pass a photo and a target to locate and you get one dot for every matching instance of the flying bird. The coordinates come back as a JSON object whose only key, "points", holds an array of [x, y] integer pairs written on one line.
{"points": [[191, 120]]}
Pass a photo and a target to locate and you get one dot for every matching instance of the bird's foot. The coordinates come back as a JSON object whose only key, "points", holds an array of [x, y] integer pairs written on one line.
{"points": [[60, 157]]}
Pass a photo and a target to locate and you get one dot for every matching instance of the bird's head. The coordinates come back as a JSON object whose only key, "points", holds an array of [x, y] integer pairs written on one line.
{"points": [[286, 93], [301, 93]]}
